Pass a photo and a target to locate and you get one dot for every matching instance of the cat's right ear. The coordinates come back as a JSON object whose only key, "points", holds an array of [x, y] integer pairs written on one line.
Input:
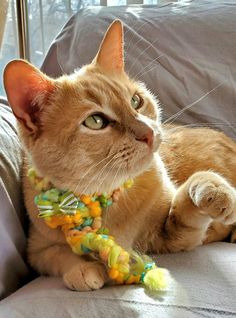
{"points": [[27, 90], [110, 57]]}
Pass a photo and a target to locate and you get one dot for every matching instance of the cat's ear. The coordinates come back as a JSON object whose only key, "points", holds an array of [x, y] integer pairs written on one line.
{"points": [[27, 90], [110, 56]]}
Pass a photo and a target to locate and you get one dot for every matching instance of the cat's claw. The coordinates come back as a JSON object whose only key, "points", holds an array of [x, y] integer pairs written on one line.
{"points": [[85, 278], [214, 196]]}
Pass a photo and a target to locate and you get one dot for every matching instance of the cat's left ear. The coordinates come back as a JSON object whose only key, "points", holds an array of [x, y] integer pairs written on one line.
{"points": [[110, 56]]}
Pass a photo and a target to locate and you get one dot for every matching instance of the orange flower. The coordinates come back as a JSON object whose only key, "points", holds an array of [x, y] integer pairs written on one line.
{"points": [[113, 273], [85, 199], [95, 212]]}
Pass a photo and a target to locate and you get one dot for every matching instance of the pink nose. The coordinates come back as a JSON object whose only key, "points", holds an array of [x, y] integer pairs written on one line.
{"points": [[147, 137]]}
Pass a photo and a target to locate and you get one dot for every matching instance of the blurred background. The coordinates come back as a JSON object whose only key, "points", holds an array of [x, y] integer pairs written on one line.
{"points": [[43, 20]]}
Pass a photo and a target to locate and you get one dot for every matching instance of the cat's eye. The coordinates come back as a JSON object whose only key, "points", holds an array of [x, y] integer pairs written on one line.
{"points": [[95, 122], [136, 101]]}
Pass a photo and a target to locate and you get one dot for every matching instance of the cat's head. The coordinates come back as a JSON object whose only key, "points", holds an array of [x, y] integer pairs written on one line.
{"points": [[88, 131]]}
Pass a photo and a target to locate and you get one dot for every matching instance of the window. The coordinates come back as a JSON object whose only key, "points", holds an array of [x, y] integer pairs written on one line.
{"points": [[44, 19], [9, 49]]}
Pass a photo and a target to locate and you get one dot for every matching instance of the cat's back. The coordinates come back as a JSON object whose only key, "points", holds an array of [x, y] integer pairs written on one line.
{"points": [[187, 150]]}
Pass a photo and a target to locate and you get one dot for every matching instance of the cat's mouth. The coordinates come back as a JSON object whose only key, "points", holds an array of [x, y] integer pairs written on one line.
{"points": [[130, 163]]}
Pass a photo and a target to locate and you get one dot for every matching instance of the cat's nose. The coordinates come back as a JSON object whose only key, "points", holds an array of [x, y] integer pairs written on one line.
{"points": [[147, 137]]}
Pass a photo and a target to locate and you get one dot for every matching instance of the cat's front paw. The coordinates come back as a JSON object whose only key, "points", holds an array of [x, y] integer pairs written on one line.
{"points": [[85, 278], [214, 196]]}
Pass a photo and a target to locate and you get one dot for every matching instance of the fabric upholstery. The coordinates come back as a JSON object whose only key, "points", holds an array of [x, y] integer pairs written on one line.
{"points": [[203, 285], [12, 236]]}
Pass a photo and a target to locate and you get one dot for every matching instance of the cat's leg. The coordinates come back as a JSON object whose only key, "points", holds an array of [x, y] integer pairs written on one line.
{"points": [[57, 259], [217, 232], [205, 197]]}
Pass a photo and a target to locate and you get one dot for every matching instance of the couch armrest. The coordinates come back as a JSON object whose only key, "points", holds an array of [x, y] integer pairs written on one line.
{"points": [[12, 235]]}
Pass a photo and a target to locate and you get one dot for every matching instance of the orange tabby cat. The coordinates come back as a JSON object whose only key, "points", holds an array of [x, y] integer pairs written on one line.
{"points": [[96, 128]]}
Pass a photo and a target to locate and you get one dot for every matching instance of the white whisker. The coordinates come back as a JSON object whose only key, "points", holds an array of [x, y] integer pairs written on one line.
{"points": [[109, 170], [172, 118], [111, 188], [90, 168], [101, 171], [141, 73], [150, 45], [136, 32], [116, 174], [196, 125]]}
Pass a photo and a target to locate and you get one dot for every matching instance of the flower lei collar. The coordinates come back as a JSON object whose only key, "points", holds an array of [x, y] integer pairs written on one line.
{"points": [[80, 218]]}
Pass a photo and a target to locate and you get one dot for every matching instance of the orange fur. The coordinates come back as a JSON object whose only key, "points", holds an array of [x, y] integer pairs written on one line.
{"points": [[177, 201]]}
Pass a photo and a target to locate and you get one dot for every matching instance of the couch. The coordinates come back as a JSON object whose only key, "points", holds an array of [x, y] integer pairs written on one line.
{"points": [[185, 52]]}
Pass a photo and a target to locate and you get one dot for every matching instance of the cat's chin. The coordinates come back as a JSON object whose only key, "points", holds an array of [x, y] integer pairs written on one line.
{"points": [[114, 180], [139, 166]]}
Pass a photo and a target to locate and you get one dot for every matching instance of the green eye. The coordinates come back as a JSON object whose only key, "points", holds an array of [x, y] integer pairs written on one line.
{"points": [[95, 122], [136, 101]]}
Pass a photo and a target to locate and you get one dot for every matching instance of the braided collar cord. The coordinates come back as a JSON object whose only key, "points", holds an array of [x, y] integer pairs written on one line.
{"points": [[80, 218]]}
